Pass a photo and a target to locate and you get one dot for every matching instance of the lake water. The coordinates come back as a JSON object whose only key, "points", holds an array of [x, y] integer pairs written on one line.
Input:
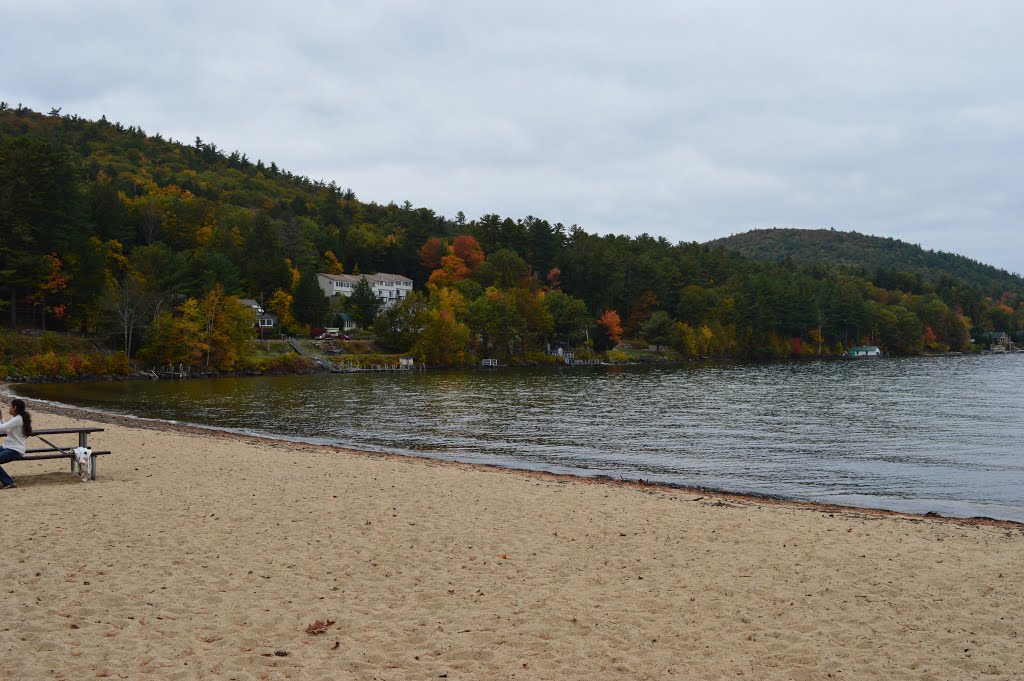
{"points": [[920, 434]]}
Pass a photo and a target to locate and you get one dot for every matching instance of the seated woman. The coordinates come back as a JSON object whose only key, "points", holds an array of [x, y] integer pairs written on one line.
{"points": [[13, 446]]}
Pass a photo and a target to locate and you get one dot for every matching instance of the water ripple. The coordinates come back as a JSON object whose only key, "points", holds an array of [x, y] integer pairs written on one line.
{"points": [[929, 434]]}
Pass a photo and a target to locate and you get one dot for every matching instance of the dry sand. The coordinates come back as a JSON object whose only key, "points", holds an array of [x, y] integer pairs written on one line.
{"points": [[197, 555]]}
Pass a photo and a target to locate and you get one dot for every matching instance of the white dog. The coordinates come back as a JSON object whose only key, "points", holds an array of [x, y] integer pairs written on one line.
{"points": [[80, 464]]}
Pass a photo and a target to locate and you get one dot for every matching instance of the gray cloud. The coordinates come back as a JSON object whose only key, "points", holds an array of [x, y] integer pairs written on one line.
{"points": [[688, 120]]}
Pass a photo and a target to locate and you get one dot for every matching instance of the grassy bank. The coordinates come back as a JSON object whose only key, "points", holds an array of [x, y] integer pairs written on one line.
{"points": [[45, 354]]}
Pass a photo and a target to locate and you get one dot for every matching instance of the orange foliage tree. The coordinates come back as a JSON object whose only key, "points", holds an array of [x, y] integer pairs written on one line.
{"points": [[431, 253], [55, 281], [453, 269], [611, 326], [611, 322], [468, 248], [554, 279]]}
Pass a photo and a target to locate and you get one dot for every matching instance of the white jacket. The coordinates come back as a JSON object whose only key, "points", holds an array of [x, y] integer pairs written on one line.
{"points": [[15, 434]]}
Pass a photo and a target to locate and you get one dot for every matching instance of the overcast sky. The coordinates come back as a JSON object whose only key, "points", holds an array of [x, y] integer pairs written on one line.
{"points": [[689, 120]]}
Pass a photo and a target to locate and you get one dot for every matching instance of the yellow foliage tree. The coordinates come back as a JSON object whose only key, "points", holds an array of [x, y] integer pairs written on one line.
{"points": [[280, 303], [331, 263], [443, 340], [685, 340], [213, 333], [296, 275], [228, 329], [444, 298], [176, 339]]}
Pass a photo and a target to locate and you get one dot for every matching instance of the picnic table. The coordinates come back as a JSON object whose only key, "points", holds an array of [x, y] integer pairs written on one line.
{"points": [[55, 451]]}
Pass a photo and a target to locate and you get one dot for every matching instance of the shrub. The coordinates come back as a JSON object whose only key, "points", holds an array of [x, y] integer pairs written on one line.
{"points": [[541, 359], [616, 357], [47, 364], [54, 365], [289, 363]]}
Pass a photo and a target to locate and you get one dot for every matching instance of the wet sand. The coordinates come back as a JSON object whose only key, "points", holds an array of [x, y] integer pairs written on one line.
{"points": [[202, 555]]}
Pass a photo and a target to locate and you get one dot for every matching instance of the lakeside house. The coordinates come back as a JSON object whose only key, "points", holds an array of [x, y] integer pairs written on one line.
{"points": [[997, 341], [389, 288], [865, 351], [265, 321], [346, 321]]}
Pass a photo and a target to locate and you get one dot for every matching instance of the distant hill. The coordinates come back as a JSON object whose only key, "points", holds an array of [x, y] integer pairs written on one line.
{"points": [[873, 257]]}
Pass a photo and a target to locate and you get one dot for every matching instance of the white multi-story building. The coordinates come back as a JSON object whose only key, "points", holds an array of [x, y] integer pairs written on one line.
{"points": [[389, 288]]}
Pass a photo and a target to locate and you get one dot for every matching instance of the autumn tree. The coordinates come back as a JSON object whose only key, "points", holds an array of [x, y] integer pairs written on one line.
{"points": [[431, 253], [176, 338], [228, 327], [280, 304], [54, 281], [468, 249], [213, 333], [612, 325], [609, 330], [684, 340], [330, 264], [538, 319], [443, 340], [452, 269], [554, 278]]}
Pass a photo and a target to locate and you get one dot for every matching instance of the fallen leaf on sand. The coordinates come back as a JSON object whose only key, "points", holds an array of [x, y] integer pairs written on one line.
{"points": [[319, 627]]}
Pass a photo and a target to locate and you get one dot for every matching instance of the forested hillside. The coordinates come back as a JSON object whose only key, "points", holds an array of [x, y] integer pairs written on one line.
{"points": [[881, 259], [147, 241]]}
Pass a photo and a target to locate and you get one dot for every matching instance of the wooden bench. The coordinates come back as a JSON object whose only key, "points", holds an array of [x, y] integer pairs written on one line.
{"points": [[58, 452]]}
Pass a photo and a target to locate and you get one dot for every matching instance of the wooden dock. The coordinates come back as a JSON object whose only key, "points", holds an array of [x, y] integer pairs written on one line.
{"points": [[170, 371], [354, 369]]}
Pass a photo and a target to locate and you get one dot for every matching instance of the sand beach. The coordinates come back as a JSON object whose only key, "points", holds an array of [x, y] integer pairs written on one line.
{"points": [[202, 555]]}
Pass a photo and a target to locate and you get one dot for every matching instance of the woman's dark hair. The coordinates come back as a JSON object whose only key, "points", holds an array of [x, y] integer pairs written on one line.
{"points": [[26, 418]]}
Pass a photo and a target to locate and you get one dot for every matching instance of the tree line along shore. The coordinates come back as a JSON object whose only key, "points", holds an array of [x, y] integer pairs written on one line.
{"points": [[141, 248]]}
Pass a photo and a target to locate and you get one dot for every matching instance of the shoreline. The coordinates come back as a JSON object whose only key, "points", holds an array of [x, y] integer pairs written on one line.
{"points": [[203, 554], [315, 369], [58, 408]]}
